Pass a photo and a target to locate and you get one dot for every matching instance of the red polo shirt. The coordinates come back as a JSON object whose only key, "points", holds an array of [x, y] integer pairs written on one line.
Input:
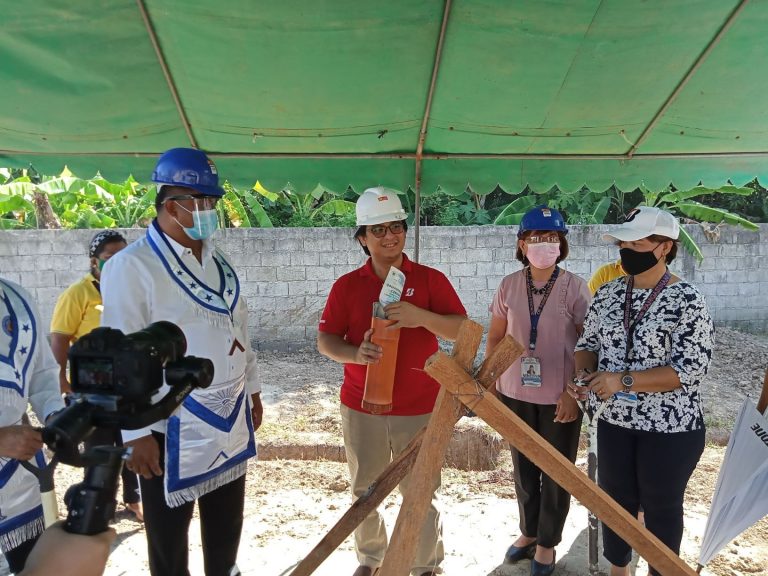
{"points": [[348, 314]]}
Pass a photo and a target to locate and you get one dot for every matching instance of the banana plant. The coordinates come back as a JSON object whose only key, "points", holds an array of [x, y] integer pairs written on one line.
{"points": [[515, 210], [682, 202]]}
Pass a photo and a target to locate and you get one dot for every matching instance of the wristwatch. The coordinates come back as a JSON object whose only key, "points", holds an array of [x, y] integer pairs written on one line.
{"points": [[627, 380]]}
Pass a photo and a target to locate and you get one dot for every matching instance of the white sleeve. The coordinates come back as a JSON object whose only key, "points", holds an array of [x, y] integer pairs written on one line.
{"points": [[123, 287], [252, 380], [44, 393]]}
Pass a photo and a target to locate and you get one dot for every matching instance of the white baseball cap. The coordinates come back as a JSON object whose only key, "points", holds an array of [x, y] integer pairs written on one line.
{"points": [[645, 221]]}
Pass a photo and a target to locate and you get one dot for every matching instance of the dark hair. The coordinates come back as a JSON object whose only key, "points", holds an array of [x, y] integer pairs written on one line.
{"points": [[169, 190], [563, 246], [672, 254], [361, 230], [101, 239]]}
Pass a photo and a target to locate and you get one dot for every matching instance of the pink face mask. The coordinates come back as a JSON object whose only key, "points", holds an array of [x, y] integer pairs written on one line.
{"points": [[543, 255]]}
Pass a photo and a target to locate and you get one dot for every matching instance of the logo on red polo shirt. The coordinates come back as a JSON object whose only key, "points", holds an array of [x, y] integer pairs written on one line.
{"points": [[409, 291]]}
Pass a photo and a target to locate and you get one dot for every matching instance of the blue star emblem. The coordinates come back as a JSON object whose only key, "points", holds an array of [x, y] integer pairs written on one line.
{"points": [[208, 297], [25, 327], [229, 291], [229, 274], [17, 374], [23, 350], [180, 272], [192, 285]]}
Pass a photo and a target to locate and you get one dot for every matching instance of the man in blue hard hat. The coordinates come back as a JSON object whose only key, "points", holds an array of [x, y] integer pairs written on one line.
{"points": [[200, 453]]}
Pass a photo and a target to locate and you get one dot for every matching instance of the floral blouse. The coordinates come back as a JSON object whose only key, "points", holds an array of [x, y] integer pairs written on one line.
{"points": [[676, 331]]}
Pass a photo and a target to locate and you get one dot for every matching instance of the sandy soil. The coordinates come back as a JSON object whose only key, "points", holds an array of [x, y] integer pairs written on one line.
{"points": [[292, 503]]}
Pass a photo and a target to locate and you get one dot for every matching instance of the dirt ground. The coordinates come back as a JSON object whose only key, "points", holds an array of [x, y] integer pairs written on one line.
{"points": [[292, 502]]}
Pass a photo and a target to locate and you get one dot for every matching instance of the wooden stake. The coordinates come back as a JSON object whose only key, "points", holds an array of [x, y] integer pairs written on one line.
{"points": [[445, 370]]}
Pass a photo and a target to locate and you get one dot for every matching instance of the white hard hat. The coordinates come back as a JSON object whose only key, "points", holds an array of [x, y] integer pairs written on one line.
{"points": [[378, 205]]}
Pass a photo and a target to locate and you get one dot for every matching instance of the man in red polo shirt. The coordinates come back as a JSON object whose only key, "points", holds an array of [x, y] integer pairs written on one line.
{"points": [[429, 307]]}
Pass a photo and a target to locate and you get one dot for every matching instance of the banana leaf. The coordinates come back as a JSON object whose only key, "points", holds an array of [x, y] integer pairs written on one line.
{"points": [[515, 210], [232, 211], [704, 213], [259, 189], [262, 219], [335, 208], [704, 191], [690, 245]]}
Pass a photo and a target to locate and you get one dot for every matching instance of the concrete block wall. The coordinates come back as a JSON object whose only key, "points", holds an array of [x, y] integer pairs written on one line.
{"points": [[286, 273]]}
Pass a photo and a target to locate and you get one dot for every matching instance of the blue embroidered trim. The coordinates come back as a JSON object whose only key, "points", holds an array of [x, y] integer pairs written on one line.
{"points": [[22, 519], [210, 417]]}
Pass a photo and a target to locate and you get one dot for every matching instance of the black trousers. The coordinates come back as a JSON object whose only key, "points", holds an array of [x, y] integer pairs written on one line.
{"points": [[112, 437], [542, 503], [649, 470], [17, 557], [221, 522]]}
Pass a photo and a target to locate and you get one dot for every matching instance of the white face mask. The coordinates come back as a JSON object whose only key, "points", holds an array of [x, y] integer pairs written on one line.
{"points": [[543, 255], [204, 223]]}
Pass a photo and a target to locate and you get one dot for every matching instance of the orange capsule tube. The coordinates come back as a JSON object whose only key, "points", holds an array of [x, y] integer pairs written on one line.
{"points": [[380, 377]]}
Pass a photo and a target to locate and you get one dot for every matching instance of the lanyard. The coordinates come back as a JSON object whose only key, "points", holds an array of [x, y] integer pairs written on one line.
{"points": [[629, 324], [537, 314]]}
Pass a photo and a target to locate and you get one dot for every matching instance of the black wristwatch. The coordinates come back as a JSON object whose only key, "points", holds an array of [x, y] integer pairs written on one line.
{"points": [[627, 380]]}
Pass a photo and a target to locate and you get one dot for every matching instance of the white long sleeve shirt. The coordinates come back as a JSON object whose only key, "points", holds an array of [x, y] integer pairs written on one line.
{"points": [[137, 290]]}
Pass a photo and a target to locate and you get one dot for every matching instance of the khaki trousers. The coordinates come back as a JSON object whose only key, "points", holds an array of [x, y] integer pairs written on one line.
{"points": [[371, 442]]}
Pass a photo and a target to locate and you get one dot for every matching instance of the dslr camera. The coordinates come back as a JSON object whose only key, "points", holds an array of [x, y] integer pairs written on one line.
{"points": [[114, 378]]}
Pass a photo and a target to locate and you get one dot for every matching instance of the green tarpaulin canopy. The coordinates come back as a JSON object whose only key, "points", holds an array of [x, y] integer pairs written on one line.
{"points": [[365, 92]]}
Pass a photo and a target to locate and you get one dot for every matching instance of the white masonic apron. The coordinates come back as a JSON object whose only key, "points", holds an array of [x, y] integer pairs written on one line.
{"points": [[21, 511], [210, 437]]}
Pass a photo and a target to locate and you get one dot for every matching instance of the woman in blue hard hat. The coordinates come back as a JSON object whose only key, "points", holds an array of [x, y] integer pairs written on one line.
{"points": [[543, 307]]}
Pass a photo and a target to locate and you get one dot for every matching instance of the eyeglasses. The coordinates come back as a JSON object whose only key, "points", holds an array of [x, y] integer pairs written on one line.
{"points": [[204, 201], [555, 239], [379, 230]]}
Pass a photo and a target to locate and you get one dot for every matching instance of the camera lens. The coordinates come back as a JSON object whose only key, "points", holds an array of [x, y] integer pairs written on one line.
{"points": [[166, 337]]}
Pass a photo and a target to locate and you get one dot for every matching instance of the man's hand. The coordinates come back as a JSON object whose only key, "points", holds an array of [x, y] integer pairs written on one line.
{"points": [[145, 458], [368, 352], [405, 315], [64, 554], [257, 410], [20, 442], [566, 409]]}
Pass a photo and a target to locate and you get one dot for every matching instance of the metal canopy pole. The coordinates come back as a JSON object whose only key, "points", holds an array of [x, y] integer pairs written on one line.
{"points": [[424, 122], [166, 72], [688, 75]]}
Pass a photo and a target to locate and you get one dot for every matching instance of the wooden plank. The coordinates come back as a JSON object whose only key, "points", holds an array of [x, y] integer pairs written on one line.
{"points": [[762, 404], [555, 465], [413, 511], [466, 344], [363, 506]]}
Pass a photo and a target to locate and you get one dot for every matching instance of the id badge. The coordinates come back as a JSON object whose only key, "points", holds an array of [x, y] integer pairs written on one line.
{"points": [[628, 398], [530, 372]]}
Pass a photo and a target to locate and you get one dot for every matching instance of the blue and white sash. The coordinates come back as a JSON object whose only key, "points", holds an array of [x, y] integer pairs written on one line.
{"points": [[216, 305], [208, 441], [21, 512]]}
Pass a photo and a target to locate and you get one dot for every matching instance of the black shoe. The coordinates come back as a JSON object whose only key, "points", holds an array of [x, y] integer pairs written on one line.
{"points": [[539, 569], [517, 553]]}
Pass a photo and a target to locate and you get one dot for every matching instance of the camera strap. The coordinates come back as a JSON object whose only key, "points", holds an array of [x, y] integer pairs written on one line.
{"points": [[216, 305]]}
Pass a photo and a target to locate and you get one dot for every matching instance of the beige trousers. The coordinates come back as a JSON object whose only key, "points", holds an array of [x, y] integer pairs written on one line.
{"points": [[371, 442]]}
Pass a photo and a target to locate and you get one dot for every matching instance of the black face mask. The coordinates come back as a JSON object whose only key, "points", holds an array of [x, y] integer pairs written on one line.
{"points": [[635, 262]]}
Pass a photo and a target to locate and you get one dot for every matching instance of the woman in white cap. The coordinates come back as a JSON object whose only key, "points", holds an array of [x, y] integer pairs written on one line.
{"points": [[646, 347]]}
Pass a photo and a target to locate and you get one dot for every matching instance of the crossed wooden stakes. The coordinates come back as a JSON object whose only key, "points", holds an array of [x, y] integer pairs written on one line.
{"points": [[424, 456]]}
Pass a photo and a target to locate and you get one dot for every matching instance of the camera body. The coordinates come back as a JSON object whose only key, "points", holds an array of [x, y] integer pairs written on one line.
{"points": [[114, 378]]}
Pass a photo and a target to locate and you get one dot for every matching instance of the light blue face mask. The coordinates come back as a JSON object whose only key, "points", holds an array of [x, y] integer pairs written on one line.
{"points": [[205, 223]]}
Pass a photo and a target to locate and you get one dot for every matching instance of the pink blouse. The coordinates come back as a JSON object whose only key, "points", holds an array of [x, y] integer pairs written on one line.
{"points": [[564, 311]]}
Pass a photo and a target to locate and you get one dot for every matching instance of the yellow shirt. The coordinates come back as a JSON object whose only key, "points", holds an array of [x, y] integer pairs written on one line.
{"points": [[78, 309], [605, 273]]}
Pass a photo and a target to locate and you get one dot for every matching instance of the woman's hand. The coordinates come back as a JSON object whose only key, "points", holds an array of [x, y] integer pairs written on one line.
{"points": [[368, 352], [566, 409], [578, 389], [605, 384]]}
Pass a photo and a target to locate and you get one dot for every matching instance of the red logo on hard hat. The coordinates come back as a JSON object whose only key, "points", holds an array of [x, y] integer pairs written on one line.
{"points": [[383, 198]]}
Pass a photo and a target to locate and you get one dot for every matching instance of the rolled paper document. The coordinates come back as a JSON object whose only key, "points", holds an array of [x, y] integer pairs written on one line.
{"points": [[380, 377]]}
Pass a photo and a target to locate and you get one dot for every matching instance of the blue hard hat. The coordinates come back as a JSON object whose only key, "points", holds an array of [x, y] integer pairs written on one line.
{"points": [[542, 218], [189, 168]]}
